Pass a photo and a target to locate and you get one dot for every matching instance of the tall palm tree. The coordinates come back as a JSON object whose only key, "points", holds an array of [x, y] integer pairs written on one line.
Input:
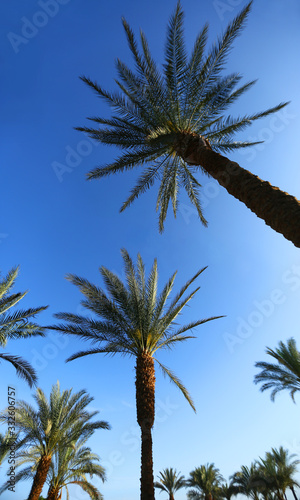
{"points": [[170, 481], [283, 375], [134, 321], [175, 122], [64, 418], [206, 481], [277, 471], [17, 325]]}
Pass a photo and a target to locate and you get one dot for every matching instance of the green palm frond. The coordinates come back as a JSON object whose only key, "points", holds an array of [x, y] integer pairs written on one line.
{"points": [[285, 375], [177, 382], [23, 368], [17, 325]]}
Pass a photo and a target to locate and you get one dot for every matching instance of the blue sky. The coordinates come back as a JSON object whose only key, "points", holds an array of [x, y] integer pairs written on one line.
{"points": [[54, 222]]}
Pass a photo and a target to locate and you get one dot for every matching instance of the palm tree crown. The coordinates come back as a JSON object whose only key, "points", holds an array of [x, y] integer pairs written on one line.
{"points": [[170, 481], [70, 465], [135, 321], [283, 375], [277, 471], [206, 481], [64, 418], [162, 117], [17, 325]]}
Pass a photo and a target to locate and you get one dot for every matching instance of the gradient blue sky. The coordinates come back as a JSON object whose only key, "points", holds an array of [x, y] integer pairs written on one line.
{"points": [[54, 222]]}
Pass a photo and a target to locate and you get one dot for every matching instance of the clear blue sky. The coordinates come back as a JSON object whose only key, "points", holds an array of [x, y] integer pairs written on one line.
{"points": [[53, 224]]}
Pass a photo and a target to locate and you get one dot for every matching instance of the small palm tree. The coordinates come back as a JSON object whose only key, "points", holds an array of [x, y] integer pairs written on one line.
{"points": [[227, 491], [17, 325], [174, 124], [247, 481], [283, 375], [277, 471], [170, 481], [64, 418], [70, 465], [133, 321], [206, 481]]}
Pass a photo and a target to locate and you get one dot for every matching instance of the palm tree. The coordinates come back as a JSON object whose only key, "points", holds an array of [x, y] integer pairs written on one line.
{"points": [[277, 471], [133, 321], [175, 122], [17, 325], [247, 482], [206, 480], [64, 418], [170, 481], [70, 465], [227, 491], [285, 374]]}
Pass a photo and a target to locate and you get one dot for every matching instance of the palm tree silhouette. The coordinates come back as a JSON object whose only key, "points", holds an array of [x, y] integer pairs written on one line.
{"points": [[170, 481], [283, 375], [174, 123]]}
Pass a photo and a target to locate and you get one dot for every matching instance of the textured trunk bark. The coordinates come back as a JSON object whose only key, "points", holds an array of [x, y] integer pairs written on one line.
{"points": [[53, 493], [278, 209], [40, 477], [145, 401], [171, 496]]}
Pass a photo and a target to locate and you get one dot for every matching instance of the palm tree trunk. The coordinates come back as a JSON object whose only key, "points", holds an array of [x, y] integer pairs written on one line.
{"points": [[53, 493], [145, 401], [40, 477], [278, 209], [293, 491]]}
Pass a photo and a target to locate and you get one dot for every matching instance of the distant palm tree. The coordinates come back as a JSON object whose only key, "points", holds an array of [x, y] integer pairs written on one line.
{"points": [[176, 122], [247, 482], [277, 472], [17, 325], [70, 465], [206, 481], [64, 418], [133, 321], [170, 481], [227, 491], [283, 375]]}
